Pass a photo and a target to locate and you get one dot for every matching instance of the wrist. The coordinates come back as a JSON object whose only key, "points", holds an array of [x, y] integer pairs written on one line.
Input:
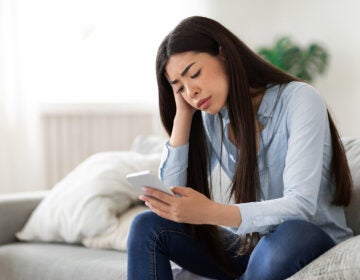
{"points": [[181, 130], [226, 215], [183, 118]]}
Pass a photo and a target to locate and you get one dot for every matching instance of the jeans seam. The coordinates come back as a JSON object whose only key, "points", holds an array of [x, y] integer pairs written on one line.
{"points": [[155, 238]]}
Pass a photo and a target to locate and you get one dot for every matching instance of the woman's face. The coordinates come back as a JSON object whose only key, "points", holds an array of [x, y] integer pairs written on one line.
{"points": [[200, 78]]}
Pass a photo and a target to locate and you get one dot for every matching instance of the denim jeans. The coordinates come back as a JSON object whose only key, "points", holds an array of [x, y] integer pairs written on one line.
{"points": [[154, 242]]}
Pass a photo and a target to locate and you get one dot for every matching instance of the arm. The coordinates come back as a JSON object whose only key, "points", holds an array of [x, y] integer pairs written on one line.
{"points": [[15, 209], [306, 124], [173, 172], [173, 167], [182, 122], [181, 130]]}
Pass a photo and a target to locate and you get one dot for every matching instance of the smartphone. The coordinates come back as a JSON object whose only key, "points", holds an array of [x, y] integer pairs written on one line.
{"points": [[146, 179]]}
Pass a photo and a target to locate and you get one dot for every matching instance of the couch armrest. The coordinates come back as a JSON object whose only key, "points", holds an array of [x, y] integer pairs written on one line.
{"points": [[15, 209]]}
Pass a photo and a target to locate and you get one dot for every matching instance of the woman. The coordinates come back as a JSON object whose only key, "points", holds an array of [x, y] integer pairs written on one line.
{"points": [[270, 133]]}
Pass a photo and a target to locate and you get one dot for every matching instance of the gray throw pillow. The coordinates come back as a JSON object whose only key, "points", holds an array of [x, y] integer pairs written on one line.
{"points": [[352, 148], [340, 262]]}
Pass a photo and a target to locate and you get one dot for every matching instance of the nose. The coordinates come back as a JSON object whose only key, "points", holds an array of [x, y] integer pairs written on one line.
{"points": [[192, 91]]}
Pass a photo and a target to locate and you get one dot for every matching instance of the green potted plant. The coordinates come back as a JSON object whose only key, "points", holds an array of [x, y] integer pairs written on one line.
{"points": [[304, 63]]}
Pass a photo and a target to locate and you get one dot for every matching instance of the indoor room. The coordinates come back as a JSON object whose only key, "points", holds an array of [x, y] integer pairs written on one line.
{"points": [[80, 110]]}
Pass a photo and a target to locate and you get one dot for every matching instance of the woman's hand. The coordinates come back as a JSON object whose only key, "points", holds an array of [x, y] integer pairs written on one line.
{"points": [[183, 108], [182, 121], [190, 206]]}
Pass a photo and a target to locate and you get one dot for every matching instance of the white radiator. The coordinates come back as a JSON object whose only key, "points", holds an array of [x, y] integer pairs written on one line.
{"points": [[71, 133]]}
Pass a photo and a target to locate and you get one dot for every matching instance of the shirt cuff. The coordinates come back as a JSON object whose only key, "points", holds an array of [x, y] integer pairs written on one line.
{"points": [[253, 219]]}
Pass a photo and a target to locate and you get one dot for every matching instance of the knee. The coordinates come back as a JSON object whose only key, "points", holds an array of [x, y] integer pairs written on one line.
{"points": [[142, 221], [144, 226], [304, 233], [300, 238], [139, 226], [286, 249]]}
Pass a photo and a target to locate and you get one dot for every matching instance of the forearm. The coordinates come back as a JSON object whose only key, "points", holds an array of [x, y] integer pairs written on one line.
{"points": [[173, 168], [181, 130]]}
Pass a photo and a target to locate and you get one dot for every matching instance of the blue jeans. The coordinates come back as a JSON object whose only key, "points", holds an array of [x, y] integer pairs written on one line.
{"points": [[154, 242]]}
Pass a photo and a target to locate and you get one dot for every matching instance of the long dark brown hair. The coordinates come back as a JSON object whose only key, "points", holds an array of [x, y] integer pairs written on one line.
{"points": [[245, 70]]}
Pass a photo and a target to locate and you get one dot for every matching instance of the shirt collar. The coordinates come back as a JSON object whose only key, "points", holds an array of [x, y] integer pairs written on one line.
{"points": [[266, 107], [268, 101]]}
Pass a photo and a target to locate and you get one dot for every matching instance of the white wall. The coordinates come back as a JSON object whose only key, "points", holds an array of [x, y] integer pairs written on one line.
{"points": [[74, 51], [83, 58], [332, 23], [94, 51]]}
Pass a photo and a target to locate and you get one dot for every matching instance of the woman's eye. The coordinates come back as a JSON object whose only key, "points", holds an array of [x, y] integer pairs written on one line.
{"points": [[197, 74], [180, 90]]}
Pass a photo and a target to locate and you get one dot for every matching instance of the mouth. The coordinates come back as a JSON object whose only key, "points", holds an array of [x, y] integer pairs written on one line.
{"points": [[203, 103]]}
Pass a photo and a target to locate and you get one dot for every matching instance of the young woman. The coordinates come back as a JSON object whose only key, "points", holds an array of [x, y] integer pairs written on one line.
{"points": [[272, 136]]}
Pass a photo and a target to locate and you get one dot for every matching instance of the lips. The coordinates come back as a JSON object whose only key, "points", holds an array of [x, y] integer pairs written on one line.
{"points": [[203, 102]]}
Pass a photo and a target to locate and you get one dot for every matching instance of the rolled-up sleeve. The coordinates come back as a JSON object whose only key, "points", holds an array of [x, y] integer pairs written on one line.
{"points": [[173, 166], [306, 122]]}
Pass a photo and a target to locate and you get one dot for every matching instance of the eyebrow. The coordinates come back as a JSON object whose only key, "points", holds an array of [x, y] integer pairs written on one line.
{"points": [[183, 73]]}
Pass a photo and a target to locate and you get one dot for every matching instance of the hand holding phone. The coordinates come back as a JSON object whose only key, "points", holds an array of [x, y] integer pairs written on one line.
{"points": [[146, 179]]}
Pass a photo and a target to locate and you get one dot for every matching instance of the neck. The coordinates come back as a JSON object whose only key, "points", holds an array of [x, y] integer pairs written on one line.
{"points": [[256, 98]]}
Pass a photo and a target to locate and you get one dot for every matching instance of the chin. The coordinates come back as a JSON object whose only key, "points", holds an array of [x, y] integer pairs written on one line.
{"points": [[212, 111]]}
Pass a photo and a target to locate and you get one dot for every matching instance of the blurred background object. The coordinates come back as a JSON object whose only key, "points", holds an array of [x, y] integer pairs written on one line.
{"points": [[304, 63], [87, 61]]}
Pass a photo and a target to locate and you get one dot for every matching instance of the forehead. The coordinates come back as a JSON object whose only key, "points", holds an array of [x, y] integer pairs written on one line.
{"points": [[178, 62]]}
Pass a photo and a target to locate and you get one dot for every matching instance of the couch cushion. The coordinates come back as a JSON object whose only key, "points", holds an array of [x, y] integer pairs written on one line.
{"points": [[352, 148], [40, 261], [341, 262]]}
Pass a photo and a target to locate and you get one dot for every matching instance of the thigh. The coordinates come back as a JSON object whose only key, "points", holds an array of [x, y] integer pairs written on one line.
{"points": [[286, 249]]}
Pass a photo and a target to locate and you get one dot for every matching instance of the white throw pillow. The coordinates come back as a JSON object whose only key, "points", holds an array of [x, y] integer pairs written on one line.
{"points": [[89, 200], [117, 237]]}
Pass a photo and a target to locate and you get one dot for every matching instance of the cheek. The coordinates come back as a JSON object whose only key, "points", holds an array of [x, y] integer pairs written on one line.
{"points": [[188, 100]]}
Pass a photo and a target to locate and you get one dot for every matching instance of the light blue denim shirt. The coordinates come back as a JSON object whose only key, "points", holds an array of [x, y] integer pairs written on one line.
{"points": [[293, 158]]}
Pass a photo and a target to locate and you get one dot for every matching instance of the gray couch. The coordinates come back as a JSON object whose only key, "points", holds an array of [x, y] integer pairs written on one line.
{"points": [[51, 261], [48, 261]]}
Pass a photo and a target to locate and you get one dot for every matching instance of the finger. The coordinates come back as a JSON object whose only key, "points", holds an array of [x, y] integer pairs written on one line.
{"points": [[152, 200], [183, 191], [164, 212], [158, 205], [154, 203], [166, 198], [159, 208]]}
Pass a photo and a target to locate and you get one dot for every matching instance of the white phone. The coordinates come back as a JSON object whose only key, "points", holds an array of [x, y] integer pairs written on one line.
{"points": [[146, 179]]}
